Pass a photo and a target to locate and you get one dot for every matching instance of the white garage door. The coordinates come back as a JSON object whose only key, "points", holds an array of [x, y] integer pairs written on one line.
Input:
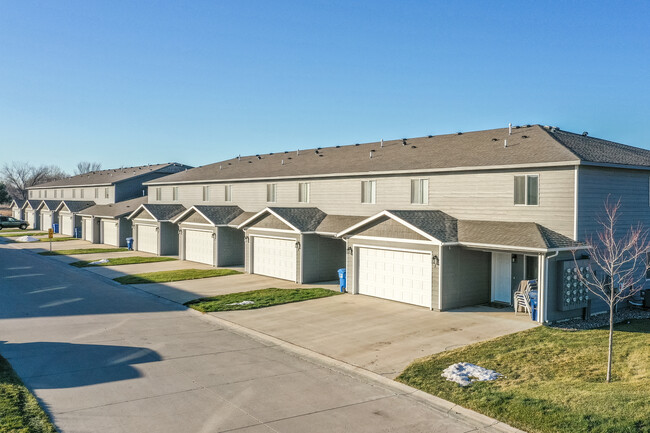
{"points": [[17, 214], [109, 232], [274, 257], [147, 239], [397, 275], [31, 219], [88, 229], [199, 247], [66, 224], [46, 219]]}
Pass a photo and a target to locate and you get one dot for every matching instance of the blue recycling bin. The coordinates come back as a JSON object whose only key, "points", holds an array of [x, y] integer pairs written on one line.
{"points": [[55, 227], [77, 232], [533, 304], [342, 274], [129, 244]]}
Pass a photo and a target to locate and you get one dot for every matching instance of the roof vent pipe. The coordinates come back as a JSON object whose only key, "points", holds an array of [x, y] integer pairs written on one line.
{"points": [[382, 143], [238, 157], [584, 134], [283, 162], [509, 128], [370, 155], [298, 152], [505, 143]]}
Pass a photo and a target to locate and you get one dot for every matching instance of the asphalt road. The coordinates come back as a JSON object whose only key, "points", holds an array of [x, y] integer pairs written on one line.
{"points": [[102, 357]]}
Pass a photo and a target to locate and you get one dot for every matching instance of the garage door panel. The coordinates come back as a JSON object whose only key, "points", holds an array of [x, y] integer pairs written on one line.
{"points": [[109, 233], [147, 239], [199, 246], [47, 221], [88, 229], [66, 224], [397, 275], [274, 257]]}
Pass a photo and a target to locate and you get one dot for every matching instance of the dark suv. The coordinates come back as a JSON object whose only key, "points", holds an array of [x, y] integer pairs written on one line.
{"points": [[6, 222]]}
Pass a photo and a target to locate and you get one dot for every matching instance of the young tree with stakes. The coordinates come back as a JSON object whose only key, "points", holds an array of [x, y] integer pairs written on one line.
{"points": [[619, 265]]}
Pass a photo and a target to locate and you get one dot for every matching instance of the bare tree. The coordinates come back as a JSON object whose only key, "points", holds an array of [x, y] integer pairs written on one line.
{"points": [[18, 176], [86, 167], [619, 266]]}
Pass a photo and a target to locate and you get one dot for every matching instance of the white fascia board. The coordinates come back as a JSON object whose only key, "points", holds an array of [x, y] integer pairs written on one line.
{"points": [[386, 213], [262, 212], [519, 248], [373, 173], [132, 214]]}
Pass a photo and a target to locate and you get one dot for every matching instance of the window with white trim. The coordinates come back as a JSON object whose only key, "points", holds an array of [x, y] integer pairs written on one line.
{"points": [[647, 271], [227, 192], [45, 194], [175, 193], [62, 193], [206, 193], [55, 191], [526, 191], [106, 192], [74, 193], [158, 194], [368, 191], [419, 191], [81, 193], [96, 192], [304, 188], [271, 191], [39, 193]]}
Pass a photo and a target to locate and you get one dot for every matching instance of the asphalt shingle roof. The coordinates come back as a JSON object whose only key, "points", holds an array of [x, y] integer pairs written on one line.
{"points": [[111, 176], [513, 234], [433, 222], [164, 212], [19, 203], [115, 210], [305, 219], [333, 224], [32, 203], [77, 206], [51, 204], [220, 215]]}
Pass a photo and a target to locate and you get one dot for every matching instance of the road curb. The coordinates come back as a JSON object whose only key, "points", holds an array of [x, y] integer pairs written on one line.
{"points": [[485, 423]]}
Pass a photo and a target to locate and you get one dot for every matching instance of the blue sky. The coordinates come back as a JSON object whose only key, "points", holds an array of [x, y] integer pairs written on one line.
{"points": [[137, 82]]}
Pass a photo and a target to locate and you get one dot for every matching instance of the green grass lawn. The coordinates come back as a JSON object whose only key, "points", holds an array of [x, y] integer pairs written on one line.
{"points": [[19, 409], [261, 298], [81, 251], [62, 239], [123, 261], [18, 234], [554, 379], [169, 276]]}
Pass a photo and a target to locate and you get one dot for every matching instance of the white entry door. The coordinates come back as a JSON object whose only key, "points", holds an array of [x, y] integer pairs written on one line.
{"points": [[147, 239], [199, 246], [274, 257], [109, 232], [67, 228], [88, 229], [501, 278], [402, 276]]}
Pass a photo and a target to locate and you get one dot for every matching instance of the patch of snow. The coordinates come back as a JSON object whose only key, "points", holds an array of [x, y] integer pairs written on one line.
{"points": [[464, 373], [242, 303], [27, 239], [99, 262]]}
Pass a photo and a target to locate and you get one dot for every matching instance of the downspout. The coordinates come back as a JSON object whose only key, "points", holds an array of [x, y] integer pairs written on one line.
{"points": [[542, 313]]}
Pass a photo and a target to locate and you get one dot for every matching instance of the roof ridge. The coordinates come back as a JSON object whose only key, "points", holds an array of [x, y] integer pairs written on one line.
{"points": [[556, 140]]}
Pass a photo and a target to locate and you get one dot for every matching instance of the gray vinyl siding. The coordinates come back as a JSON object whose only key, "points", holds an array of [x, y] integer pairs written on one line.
{"points": [[88, 195], [125, 230], [230, 247], [466, 277], [322, 257], [485, 195], [168, 239]]}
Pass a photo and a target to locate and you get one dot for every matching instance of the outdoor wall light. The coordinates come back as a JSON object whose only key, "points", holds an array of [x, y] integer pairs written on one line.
{"points": [[435, 260], [297, 245], [514, 258], [245, 238], [350, 250]]}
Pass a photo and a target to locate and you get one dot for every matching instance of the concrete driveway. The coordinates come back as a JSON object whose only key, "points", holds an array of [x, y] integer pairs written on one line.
{"points": [[103, 357]]}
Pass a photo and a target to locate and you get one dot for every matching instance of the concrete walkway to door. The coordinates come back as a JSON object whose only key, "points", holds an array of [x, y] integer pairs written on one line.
{"points": [[377, 335]]}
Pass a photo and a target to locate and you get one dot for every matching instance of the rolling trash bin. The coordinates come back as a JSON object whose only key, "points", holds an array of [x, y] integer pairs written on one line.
{"points": [[129, 244], [77, 232], [55, 227], [342, 274]]}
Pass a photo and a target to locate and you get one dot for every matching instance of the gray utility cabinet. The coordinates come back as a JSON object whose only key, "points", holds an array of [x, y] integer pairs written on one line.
{"points": [[572, 294]]}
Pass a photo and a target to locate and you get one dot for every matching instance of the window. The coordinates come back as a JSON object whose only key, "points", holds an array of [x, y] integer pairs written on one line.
{"points": [[55, 191], [74, 193], [39, 193], [527, 190], [96, 192], [206, 193], [419, 191], [227, 191], [647, 272], [31, 194], [62, 193], [158, 194], [175, 193], [106, 193], [45, 193], [81, 193], [368, 191], [271, 189], [303, 192]]}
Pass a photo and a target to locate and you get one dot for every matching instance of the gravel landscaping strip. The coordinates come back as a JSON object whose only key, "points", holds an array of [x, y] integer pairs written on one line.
{"points": [[601, 320]]}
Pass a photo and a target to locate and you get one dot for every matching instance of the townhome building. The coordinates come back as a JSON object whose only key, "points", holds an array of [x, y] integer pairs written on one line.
{"points": [[93, 205], [442, 221]]}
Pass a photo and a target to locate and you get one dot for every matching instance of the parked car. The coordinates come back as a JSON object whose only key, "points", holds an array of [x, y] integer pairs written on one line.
{"points": [[6, 222]]}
